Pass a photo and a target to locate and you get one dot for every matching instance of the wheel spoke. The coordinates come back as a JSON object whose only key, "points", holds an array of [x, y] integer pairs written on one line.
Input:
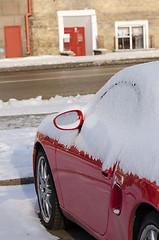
{"points": [[153, 235], [48, 209], [48, 201], [45, 170], [47, 178], [48, 191], [40, 190], [40, 180], [44, 208], [42, 169]]}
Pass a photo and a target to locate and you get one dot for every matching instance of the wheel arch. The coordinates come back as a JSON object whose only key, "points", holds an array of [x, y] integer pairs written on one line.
{"points": [[137, 217], [37, 147]]}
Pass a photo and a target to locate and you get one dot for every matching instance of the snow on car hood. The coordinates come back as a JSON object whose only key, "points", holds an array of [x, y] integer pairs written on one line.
{"points": [[121, 123]]}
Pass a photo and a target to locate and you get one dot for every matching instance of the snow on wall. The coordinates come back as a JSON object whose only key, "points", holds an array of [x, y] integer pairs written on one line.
{"points": [[121, 122]]}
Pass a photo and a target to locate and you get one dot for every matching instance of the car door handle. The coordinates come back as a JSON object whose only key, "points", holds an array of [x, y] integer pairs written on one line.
{"points": [[107, 173]]}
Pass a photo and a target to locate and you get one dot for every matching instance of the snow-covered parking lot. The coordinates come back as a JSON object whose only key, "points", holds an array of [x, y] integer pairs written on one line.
{"points": [[18, 204], [19, 214]]}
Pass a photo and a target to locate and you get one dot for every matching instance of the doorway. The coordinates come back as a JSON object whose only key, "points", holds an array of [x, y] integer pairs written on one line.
{"points": [[13, 41], [78, 19]]}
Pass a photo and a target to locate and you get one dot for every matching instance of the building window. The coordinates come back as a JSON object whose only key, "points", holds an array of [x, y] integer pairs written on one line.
{"points": [[131, 35], [123, 38]]}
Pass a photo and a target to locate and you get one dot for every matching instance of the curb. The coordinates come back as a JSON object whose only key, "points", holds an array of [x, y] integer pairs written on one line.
{"points": [[17, 181], [77, 64]]}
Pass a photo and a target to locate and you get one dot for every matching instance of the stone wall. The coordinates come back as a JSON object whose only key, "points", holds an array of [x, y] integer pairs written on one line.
{"points": [[44, 27], [44, 23]]}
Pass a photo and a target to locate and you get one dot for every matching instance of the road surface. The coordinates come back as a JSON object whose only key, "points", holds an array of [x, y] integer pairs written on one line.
{"points": [[49, 83]]}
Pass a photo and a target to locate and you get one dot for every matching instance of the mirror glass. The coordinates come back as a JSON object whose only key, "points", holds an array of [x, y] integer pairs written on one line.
{"points": [[68, 120]]}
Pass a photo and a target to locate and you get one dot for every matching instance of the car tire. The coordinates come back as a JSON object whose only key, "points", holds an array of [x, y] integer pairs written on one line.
{"points": [[149, 229], [50, 212]]}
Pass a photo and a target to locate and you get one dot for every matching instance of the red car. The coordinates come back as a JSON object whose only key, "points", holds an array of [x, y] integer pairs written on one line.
{"points": [[98, 165]]}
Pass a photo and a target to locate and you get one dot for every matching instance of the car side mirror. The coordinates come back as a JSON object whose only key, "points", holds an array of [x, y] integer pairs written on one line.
{"points": [[69, 120]]}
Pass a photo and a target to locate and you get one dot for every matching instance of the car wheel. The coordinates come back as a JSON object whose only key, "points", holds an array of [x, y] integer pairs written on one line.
{"points": [[150, 227], [50, 212]]}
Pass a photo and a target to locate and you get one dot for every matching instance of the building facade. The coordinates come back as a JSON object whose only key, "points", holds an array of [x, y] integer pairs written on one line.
{"points": [[12, 28], [79, 27]]}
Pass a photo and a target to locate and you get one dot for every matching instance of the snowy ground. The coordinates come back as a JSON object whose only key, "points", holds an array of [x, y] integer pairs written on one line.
{"points": [[19, 214], [18, 204], [39, 106]]}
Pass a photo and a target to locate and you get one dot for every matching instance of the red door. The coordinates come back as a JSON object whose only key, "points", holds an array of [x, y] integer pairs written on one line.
{"points": [[13, 42], [75, 40]]}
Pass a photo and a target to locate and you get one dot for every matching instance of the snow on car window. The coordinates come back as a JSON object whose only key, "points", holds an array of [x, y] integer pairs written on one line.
{"points": [[107, 126]]}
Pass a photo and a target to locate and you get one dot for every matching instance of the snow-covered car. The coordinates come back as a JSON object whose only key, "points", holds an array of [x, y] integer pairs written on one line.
{"points": [[98, 165]]}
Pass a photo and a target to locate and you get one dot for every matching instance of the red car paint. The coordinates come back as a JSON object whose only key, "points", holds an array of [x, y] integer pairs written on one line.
{"points": [[86, 195]]}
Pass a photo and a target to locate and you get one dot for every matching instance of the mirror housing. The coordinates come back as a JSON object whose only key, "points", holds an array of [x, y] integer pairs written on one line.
{"points": [[69, 120]]}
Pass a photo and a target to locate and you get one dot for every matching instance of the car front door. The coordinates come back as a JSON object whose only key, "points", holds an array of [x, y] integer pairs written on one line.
{"points": [[86, 191]]}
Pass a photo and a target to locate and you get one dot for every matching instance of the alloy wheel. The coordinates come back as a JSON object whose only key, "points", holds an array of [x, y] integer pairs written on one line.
{"points": [[44, 189]]}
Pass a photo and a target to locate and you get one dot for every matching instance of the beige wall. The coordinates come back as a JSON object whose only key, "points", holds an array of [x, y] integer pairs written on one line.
{"points": [[44, 27], [12, 12], [44, 22]]}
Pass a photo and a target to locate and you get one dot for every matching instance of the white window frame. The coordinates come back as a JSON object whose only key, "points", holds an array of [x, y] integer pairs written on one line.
{"points": [[62, 14], [130, 25]]}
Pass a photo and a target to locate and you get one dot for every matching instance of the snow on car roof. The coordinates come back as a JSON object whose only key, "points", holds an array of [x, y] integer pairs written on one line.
{"points": [[121, 122]]}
